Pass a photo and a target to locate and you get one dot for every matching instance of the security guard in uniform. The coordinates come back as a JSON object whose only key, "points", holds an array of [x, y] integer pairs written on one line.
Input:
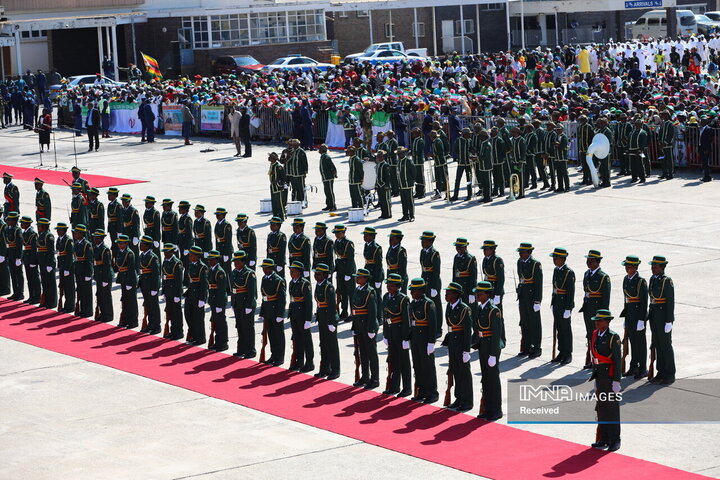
{"points": [[96, 211], [202, 231], [30, 261], [458, 317], [151, 219], [344, 267], [246, 239], [488, 322], [173, 275], [14, 241], [130, 223], [299, 246], [43, 205], [529, 292], [169, 223], [407, 177], [223, 240], [662, 318], [326, 316], [149, 284], [185, 231], [635, 293], [196, 294], [300, 311], [322, 247], [365, 327], [66, 268], [114, 217], [46, 262], [430, 264], [125, 264], [562, 304], [217, 300], [396, 258], [84, 259], [276, 246], [396, 336], [596, 285], [103, 273], [244, 301], [605, 346], [78, 209], [465, 269], [372, 252], [423, 317], [272, 311]]}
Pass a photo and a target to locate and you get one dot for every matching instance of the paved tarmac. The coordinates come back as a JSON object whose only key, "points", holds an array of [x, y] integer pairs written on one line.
{"points": [[65, 418]]}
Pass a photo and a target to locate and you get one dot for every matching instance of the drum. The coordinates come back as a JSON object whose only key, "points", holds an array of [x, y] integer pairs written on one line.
{"points": [[294, 208], [265, 205], [369, 176], [356, 215]]}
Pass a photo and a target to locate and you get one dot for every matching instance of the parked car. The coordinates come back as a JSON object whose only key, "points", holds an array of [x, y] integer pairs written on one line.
{"points": [[654, 24], [296, 62], [706, 25], [236, 64], [398, 46], [715, 16], [77, 80], [387, 56]]}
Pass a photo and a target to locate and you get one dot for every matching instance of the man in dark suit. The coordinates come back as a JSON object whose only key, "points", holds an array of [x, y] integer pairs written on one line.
{"points": [[92, 124], [147, 119], [706, 146], [245, 132]]}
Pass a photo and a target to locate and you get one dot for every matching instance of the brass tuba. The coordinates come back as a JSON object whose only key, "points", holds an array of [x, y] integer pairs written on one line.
{"points": [[514, 187]]}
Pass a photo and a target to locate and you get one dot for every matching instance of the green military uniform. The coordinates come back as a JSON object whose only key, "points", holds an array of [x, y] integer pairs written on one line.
{"points": [[202, 231], [297, 170], [498, 154], [635, 293], [78, 209], [43, 204], [585, 134], [277, 186], [666, 138], [14, 241], [114, 218], [30, 261], [662, 317], [185, 232], [328, 173], [12, 195], [391, 147], [300, 311], [463, 146], [103, 274], [493, 269], [326, 316], [96, 212], [173, 275], [418, 161], [637, 143], [623, 130], [365, 327], [458, 318], [530, 172], [407, 178], [596, 288], [344, 267], [464, 271], [519, 153], [396, 332], [560, 161], [4, 263], [299, 248], [487, 340], [355, 179], [149, 284], [131, 224], [169, 223], [603, 163], [66, 269], [562, 303], [430, 264], [373, 254], [244, 302], [246, 239], [276, 247], [423, 328], [153, 227], [196, 294], [217, 300], [396, 260], [549, 139], [540, 134], [606, 352], [272, 312], [484, 168], [322, 248], [440, 166], [383, 187], [46, 262], [84, 259], [223, 242], [529, 292]]}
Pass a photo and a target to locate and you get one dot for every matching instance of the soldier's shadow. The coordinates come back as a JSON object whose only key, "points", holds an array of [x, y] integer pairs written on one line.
{"points": [[576, 464], [337, 396], [456, 432], [426, 422]]}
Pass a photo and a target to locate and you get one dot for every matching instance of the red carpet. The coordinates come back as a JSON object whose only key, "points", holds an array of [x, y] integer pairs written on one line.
{"points": [[448, 438], [56, 177]]}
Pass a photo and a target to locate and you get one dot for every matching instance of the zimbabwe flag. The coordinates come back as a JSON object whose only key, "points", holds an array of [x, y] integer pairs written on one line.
{"points": [[151, 66]]}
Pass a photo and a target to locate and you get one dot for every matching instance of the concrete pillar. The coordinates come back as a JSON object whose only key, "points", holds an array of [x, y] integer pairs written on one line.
{"points": [[477, 26], [462, 31], [18, 53], [371, 26], [417, 44], [101, 52], [542, 21], [116, 71]]}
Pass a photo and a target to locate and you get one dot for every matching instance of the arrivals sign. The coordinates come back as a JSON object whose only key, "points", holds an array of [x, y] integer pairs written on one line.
{"points": [[643, 3]]}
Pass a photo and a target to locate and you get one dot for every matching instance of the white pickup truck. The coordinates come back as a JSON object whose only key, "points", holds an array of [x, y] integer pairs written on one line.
{"points": [[416, 52]]}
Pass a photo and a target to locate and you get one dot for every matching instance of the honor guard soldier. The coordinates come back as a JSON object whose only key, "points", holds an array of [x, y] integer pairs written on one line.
{"points": [[196, 294], [423, 317], [130, 223], [30, 261], [43, 205], [440, 166], [323, 247], [396, 336], [4, 267], [667, 139], [396, 258], [66, 269], [458, 317], [244, 302], [127, 277], [484, 166], [355, 177], [560, 159], [488, 324], [149, 283], [430, 263], [662, 318], [114, 217], [493, 269], [103, 273], [75, 172], [12, 195], [277, 185], [549, 139], [531, 140], [465, 269], [169, 223], [276, 246], [344, 267], [497, 154], [78, 209], [96, 211], [299, 312], [406, 177], [604, 163], [596, 285], [418, 161], [374, 264], [272, 313], [297, 170], [46, 262], [605, 346], [529, 292], [299, 246], [202, 231], [562, 304], [328, 172], [185, 231], [464, 150], [151, 219], [637, 143], [519, 154], [84, 260], [391, 147], [247, 242], [14, 241], [326, 316], [383, 185], [365, 327], [585, 135], [217, 300], [173, 274], [635, 293], [223, 240]]}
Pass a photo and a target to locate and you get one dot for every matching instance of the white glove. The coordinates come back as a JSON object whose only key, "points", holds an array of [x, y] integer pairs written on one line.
{"points": [[492, 361], [307, 325], [566, 313], [471, 299], [616, 386], [128, 287], [87, 279], [306, 274], [252, 263], [536, 307], [225, 258], [201, 303], [153, 292], [18, 262], [279, 319], [32, 266], [378, 284], [347, 278], [248, 311], [371, 335], [385, 341], [640, 326], [406, 344], [104, 284], [136, 240], [278, 268], [496, 299], [332, 328], [156, 244], [177, 299], [2, 259], [466, 357], [668, 327], [66, 273], [185, 252], [430, 348], [261, 319], [49, 269], [433, 293], [218, 309]]}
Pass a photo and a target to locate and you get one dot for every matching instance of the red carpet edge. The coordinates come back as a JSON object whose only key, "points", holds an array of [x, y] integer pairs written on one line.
{"points": [[60, 177]]}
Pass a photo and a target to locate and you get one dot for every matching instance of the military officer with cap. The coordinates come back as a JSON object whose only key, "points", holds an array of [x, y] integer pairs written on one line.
{"points": [[365, 327], [173, 275], [635, 294], [518, 150], [562, 304], [30, 260], [276, 246], [344, 267], [127, 277], [217, 300], [323, 247], [169, 223], [326, 316], [440, 165], [114, 218], [4, 267], [596, 285], [464, 150], [299, 312], [84, 260], [14, 241], [430, 264], [272, 312], [484, 166], [407, 178], [244, 301], [130, 223], [487, 340], [465, 269], [529, 292], [96, 211], [43, 205], [374, 264], [328, 172], [66, 268], [277, 186], [423, 317], [605, 346], [46, 263], [103, 273], [299, 246], [202, 231], [78, 209], [297, 169], [247, 241], [418, 161], [383, 185], [12, 195], [396, 336], [355, 176], [662, 319], [223, 240], [185, 231], [75, 172], [151, 219], [493, 269], [458, 317], [149, 283], [196, 294], [396, 258]]}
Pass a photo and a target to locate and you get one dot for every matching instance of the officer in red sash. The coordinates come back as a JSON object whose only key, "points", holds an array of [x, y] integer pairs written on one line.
{"points": [[605, 347]]}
